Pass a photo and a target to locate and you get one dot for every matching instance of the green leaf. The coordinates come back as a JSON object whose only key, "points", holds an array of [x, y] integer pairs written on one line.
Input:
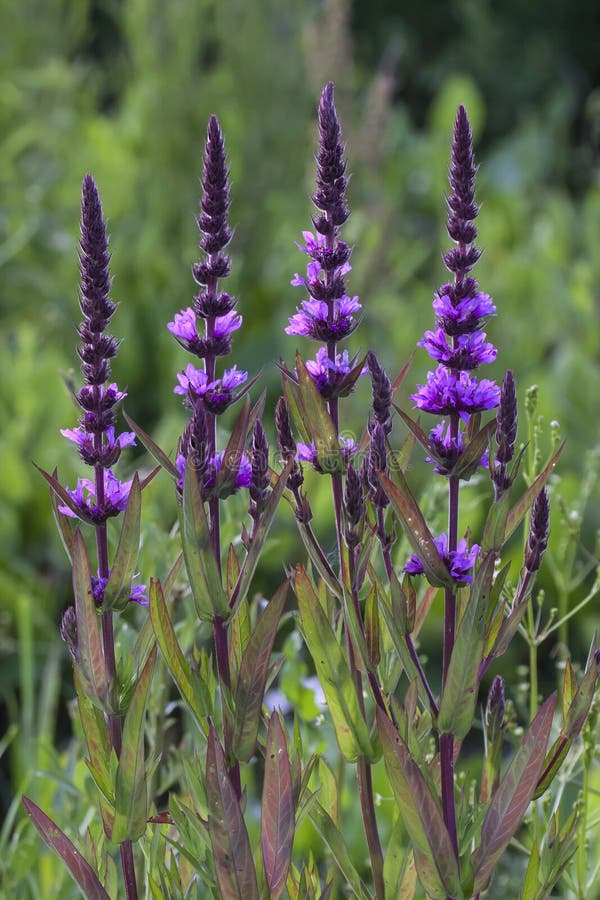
{"points": [[434, 855], [531, 884], [118, 588], [469, 460], [89, 657], [97, 739], [153, 449], [57, 840], [277, 810], [66, 526], [332, 837], [234, 865], [459, 696], [519, 510], [64, 495], [191, 688], [333, 673], [413, 523], [202, 567], [322, 430], [131, 793], [513, 795], [253, 676], [399, 873]]}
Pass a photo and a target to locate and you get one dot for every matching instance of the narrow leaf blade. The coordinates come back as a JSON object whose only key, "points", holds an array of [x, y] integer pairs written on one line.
{"points": [[277, 811], [253, 676], [57, 840], [234, 865], [89, 659], [513, 795], [118, 588]]}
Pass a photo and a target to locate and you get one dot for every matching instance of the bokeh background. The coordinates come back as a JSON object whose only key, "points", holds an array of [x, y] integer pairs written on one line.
{"points": [[124, 90]]}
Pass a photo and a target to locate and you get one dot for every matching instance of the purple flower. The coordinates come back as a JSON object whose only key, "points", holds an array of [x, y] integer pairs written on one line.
{"points": [[465, 352], [218, 394], [243, 477], [448, 449], [314, 319], [467, 315], [116, 495], [447, 391], [183, 327], [111, 445], [138, 592], [308, 452], [329, 375], [459, 562]]}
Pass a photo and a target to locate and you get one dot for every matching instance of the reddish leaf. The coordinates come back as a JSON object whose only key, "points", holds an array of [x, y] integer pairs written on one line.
{"points": [[66, 526], [253, 676], [63, 494], [277, 814], [118, 589], [89, 657], [234, 865], [513, 795], [421, 814], [413, 523], [57, 840]]}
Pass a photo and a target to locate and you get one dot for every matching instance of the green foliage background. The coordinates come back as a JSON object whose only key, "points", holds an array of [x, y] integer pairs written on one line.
{"points": [[124, 90]]}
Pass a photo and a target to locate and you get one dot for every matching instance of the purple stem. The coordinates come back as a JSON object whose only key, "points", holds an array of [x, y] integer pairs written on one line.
{"points": [[108, 640]]}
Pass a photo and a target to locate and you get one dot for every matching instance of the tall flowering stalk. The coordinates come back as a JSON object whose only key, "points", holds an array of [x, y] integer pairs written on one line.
{"points": [[329, 316], [205, 393], [97, 499], [458, 344]]}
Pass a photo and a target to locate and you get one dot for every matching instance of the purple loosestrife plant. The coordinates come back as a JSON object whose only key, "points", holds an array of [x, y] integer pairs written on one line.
{"points": [[94, 501]]}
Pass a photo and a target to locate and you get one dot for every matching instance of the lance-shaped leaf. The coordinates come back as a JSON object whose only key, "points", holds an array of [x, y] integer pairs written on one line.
{"points": [[457, 705], [411, 518], [519, 510], [118, 588], [89, 657], [513, 795], [470, 459], [95, 730], [202, 568], [332, 837], [277, 809], [232, 456], [66, 526], [313, 409], [57, 840], [62, 493], [153, 449], [263, 526], [373, 630], [234, 865], [333, 673], [192, 690], [574, 720], [434, 855], [131, 795], [253, 676]]}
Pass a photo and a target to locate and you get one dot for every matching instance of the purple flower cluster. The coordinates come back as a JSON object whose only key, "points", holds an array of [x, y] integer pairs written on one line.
{"points": [[460, 562], [99, 445], [329, 314], [458, 343], [206, 394]]}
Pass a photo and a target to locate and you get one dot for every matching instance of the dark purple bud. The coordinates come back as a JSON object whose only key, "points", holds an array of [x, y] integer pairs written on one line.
{"points": [[212, 222], [496, 705], [538, 532], [286, 442], [381, 394], [331, 167], [506, 418], [208, 305], [354, 505], [259, 485], [68, 630], [461, 203], [377, 460]]}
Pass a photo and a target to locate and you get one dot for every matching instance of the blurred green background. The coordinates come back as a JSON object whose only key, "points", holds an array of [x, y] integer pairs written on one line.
{"points": [[124, 90]]}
